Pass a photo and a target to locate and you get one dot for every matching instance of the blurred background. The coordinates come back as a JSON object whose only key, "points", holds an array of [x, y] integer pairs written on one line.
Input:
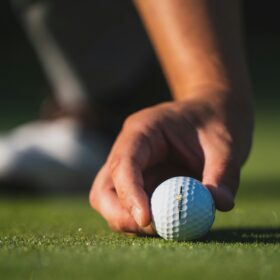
{"points": [[23, 84]]}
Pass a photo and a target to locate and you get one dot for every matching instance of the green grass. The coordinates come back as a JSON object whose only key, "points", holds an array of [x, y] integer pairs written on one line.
{"points": [[54, 238]]}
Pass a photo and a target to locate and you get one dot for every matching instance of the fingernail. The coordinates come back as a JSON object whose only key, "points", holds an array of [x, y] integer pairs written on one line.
{"points": [[136, 213]]}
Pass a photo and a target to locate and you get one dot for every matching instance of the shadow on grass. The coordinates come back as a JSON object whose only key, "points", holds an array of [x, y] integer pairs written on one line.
{"points": [[244, 235]]}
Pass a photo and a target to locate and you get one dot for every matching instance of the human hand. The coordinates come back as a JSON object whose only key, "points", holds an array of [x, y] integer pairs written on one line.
{"points": [[203, 138]]}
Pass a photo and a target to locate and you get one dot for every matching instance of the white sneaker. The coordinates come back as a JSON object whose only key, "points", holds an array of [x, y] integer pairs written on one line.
{"points": [[54, 156]]}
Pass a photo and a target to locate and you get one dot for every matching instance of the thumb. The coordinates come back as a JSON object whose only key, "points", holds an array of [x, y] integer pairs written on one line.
{"points": [[221, 175]]}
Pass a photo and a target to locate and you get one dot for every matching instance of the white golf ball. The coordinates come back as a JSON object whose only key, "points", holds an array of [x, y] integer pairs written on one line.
{"points": [[182, 209]]}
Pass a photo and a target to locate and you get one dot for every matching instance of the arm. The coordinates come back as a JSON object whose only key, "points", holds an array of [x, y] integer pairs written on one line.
{"points": [[199, 45]]}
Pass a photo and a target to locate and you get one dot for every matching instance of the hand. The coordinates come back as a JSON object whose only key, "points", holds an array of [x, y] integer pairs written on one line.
{"points": [[204, 138]]}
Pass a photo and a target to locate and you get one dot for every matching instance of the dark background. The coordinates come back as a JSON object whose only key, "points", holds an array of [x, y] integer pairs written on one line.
{"points": [[23, 86]]}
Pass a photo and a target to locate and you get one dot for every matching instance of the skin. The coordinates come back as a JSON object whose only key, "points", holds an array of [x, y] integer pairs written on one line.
{"points": [[205, 132]]}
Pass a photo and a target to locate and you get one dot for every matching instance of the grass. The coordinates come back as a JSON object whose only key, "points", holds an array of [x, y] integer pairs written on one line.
{"points": [[62, 238]]}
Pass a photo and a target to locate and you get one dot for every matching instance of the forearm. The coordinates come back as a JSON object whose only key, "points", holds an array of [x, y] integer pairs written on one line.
{"points": [[199, 45]]}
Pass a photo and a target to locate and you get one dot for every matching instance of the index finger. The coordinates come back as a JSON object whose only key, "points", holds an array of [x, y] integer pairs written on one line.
{"points": [[128, 159]]}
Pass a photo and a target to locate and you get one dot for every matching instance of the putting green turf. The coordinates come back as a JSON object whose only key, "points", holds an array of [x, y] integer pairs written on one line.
{"points": [[56, 238]]}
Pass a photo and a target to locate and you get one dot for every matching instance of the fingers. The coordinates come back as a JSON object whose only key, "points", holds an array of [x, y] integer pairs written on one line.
{"points": [[128, 159], [128, 181], [123, 171], [221, 176], [104, 199]]}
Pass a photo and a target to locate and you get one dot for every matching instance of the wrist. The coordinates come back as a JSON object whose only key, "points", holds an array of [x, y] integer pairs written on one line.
{"points": [[220, 96]]}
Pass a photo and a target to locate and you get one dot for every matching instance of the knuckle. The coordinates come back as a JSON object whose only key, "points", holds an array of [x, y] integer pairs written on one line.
{"points": [[132, 121], [114, 164], [96, 191], [139, 120], [92, 198]]}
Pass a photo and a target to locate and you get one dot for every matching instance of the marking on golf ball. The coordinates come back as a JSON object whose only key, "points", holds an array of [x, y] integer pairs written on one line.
{"points": [[179, 198], [182, 209]]}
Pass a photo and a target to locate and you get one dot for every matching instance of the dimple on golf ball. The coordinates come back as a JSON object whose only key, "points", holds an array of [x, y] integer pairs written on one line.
{"points": [[182, 209]]}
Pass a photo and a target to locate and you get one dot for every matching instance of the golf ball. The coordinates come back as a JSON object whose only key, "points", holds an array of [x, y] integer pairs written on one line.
{"points": [[182, 209]]}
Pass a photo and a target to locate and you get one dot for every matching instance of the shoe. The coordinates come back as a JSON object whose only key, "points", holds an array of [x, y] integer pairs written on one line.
{"points": [[52, 156]]}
